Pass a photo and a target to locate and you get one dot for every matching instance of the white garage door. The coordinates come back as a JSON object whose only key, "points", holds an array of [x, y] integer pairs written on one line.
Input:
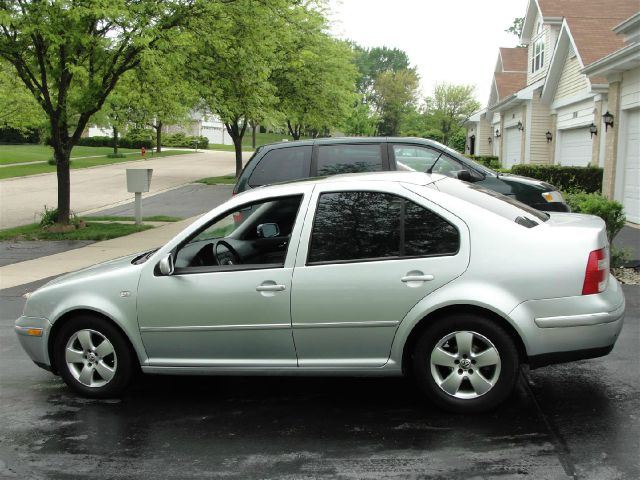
{"points": [[511, 147], [631, 185], [575, 147]]}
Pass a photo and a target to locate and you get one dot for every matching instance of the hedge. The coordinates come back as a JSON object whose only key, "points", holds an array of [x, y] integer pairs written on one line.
{"points": [[486, 160], [123, 142], [567, 179], [182, 140]]}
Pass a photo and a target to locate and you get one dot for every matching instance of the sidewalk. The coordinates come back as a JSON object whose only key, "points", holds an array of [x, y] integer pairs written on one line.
{"points": [[54, 265]]}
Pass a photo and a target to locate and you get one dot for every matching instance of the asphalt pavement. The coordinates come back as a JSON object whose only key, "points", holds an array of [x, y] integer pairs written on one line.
{"points": [[578, 420]]}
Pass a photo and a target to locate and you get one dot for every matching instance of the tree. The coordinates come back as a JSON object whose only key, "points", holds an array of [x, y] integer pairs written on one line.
{"points": [[18, 109], [70, 55], [361, 122], [516, 27], [450, 107], [372, 62], [315, 80], [395, 96], [232, 67]]}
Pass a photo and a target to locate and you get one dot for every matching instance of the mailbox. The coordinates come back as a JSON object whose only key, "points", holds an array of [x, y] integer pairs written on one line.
{"points": [[138, 179]]}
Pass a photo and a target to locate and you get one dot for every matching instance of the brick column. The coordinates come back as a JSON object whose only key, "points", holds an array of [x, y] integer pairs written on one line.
{"points": [[595, 141], [611, 142]]}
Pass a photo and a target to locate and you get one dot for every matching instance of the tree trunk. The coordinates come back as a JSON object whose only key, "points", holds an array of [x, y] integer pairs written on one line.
{"points": [[253, 135], [158, 128], [62, 156], [115, 140], [236, 132], [294, 131]]}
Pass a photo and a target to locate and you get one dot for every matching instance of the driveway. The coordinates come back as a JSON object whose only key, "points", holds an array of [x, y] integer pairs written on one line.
{"points": [[24, 198]]}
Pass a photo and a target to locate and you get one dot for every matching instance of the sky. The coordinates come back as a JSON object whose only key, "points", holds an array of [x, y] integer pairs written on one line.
{"points": [[455, 41]]}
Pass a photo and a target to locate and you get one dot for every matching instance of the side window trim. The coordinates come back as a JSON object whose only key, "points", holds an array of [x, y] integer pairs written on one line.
{"points": [[312, 220], [316, 149]]}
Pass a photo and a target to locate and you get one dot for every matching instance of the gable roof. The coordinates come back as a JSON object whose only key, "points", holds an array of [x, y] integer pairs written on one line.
{"points": [[514, 59], [508, 83]]}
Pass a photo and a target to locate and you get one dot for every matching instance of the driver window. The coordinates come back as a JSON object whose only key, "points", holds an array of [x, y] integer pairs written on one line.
{"points": [[415, 158], [254, 236]]}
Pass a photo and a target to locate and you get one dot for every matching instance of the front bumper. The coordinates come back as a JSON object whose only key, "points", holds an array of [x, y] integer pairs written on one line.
{"points": [[35, 346], [564, 329]]}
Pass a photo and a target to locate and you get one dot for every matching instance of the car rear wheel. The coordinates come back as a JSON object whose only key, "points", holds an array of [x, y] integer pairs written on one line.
{"points": [[93, 357], [466, 363]]}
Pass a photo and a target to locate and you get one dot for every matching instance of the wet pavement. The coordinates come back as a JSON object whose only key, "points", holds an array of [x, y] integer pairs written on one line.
{"points": [[14, 251], [579, 420]]}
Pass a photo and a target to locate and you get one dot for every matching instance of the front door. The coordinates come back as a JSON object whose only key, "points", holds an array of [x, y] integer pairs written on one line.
{"points": [[371, 257], [227, 304]]}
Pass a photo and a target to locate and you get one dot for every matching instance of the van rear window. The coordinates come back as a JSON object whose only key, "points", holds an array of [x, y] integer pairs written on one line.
{"points": [[281, 165]]}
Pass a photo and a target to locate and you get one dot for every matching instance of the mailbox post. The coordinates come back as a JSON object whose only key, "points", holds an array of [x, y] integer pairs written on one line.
{"points": [[138, 181]]}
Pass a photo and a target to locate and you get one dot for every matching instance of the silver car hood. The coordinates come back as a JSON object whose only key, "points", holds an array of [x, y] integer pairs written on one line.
{"points": [[92, 271]]}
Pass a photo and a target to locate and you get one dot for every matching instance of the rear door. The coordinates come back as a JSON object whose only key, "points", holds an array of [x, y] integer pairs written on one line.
{"points": [[366, 257], [337, 158]]}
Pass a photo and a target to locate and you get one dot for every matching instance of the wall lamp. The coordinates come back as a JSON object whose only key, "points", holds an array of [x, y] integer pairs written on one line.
{"points": [[489, 139], [497, 133], [593, 129], [607, 118], [549, 136], [520, 126]]}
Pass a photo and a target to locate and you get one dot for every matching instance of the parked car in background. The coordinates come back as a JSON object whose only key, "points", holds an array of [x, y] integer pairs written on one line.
{"points": [[392, 273], [285, 161]]}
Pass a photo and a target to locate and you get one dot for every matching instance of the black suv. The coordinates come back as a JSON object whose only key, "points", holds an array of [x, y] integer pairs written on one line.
{"points": [[286, 161]]}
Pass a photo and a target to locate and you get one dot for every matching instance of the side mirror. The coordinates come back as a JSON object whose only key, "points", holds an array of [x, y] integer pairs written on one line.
{"points": [[465, 176], [268, 230], [166, 265]]}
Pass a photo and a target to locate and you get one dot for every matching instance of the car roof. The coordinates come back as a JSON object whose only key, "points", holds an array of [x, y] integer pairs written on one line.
{"points": [[415, 178], [351, 140]]}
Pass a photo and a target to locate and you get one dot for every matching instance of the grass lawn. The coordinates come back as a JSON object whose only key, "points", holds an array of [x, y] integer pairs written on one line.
{"points": [[93, 231], [224, 179], [33, 153], [23, 170], [261, 139], [155, 218]]}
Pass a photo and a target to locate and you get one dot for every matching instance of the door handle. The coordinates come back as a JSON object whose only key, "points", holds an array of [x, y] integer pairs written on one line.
{"points": [[417, 278], [270, 288]]}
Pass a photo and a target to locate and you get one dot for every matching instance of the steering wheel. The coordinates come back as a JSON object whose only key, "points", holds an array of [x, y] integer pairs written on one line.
{"points": [[231, 252]]}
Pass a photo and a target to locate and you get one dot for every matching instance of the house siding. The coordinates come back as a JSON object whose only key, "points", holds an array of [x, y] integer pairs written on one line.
{"points": [[630, 89], [571, 80], [484, 132], [540, 149]]}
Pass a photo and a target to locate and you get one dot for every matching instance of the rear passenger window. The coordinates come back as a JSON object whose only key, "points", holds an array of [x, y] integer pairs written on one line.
{"points": [[355, 226], [282, 165], [335, 159]]}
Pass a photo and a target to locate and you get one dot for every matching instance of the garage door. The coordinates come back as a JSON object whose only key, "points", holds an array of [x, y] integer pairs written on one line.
{"points": [[575, 147], [511, 147], [631, 185]]}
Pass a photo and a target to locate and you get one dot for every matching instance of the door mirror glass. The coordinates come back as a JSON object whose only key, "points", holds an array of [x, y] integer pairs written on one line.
{"points": [[464, 175], [268, 230], [166, 265]]}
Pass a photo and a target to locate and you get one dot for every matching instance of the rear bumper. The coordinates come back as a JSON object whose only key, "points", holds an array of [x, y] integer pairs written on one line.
{"points": [[564, 329]]}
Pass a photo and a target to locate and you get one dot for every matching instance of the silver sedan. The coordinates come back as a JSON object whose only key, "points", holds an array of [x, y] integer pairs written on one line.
{"points": [[369, 274]]}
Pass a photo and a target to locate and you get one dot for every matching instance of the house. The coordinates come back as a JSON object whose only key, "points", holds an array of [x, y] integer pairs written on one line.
{"points": [[549, 106], [202, 124]]}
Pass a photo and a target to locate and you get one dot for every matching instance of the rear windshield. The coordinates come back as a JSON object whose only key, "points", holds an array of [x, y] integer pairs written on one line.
{"points": [[495, 202]]}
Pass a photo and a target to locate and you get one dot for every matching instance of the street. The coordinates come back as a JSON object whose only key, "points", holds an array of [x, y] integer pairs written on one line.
{"points": [[577, 420]]}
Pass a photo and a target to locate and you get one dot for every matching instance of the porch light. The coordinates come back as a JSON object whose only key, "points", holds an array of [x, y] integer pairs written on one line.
{"points": [[497, 133], [593, 129], [549, 136], [607, 118], [520, 126], [489, 140]]}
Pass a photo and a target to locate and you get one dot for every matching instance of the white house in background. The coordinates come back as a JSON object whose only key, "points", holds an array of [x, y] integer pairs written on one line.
{"points": [[582, 61], [621, 144], [95, 131], [202, 124]]}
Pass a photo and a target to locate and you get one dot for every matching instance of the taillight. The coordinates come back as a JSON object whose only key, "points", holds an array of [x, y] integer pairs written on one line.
{"points": [[597, 274]]}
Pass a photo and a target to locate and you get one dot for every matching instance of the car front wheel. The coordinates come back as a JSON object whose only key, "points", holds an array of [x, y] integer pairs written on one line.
{"points": [[93, 357], [466, 363]]}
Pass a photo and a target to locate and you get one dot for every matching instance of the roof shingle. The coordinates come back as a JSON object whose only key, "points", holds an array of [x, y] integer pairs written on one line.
{"points": [[509, 83], [514, 59]]}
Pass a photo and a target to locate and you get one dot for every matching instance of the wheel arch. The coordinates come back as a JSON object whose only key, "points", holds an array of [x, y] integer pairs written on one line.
{"points": [[63, 319], [458, 309]]}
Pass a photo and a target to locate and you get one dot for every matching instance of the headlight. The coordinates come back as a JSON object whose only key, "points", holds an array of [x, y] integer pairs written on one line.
{"points": [[553, 196]]}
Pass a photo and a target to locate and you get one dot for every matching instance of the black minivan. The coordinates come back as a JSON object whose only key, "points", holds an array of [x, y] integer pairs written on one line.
{"points": [[286, 161]]}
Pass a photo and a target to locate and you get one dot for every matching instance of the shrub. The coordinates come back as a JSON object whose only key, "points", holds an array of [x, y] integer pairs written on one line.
{"points": [[48, 217], [182, 140], [486, 160], [116, 155], [567, 179], [611, 211], [123, 142]]}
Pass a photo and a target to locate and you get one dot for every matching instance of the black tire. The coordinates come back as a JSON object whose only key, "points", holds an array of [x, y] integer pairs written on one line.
{"points": [[122, 359], [503, 378]]}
